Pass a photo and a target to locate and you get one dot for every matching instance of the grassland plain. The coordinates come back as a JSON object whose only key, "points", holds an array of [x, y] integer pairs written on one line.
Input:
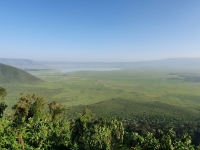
{"points": [[176, 87]]}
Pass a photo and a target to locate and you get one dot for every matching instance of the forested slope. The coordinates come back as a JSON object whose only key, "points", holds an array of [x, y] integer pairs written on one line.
{"points": [[124, 108]]}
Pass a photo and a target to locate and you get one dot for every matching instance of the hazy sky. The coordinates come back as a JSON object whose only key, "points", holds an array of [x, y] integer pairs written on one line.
{"points": [[99, 30]]}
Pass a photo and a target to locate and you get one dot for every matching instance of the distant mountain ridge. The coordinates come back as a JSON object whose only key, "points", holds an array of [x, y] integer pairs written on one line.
{"points": [[169, 62], [21, 63], [9, 74]]}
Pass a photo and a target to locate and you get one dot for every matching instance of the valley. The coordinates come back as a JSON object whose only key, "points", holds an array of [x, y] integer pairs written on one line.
{"points": [[145, 99], [173, 87]]}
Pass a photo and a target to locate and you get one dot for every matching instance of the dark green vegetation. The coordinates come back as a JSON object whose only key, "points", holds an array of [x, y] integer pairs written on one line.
{"points": [[9, 74], [143, 99], [3, 105], [136, 110], [31, 128]]}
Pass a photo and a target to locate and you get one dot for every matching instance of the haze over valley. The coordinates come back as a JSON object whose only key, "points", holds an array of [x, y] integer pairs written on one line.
{"points": [[100, 75]]}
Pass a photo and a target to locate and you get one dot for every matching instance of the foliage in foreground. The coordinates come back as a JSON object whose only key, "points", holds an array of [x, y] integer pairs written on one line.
{"points": [[85, 134], [31, 128]]}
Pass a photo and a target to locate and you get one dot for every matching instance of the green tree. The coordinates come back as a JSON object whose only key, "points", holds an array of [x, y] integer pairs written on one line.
{"points": [[3, 105], [37, 107], [28, 106], [99, 134], [56, 110], [3, 93]]}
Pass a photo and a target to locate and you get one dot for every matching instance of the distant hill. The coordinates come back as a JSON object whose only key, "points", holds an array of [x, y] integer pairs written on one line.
{"points": [[26, 64], [169, 62], [21, 63], [9, 74]]}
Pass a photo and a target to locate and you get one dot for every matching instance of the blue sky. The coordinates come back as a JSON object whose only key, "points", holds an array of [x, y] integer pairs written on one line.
{"points": [[99, 30]]}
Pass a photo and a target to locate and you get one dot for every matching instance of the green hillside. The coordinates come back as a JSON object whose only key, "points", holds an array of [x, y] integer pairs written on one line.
{"points": [[123, 108], [142, 117], [9, 74]]}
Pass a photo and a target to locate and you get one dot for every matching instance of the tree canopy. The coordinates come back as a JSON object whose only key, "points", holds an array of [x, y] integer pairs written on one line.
{"points": [[34, 128]]}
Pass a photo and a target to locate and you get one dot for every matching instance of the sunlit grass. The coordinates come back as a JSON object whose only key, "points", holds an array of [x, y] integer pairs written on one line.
{"points": [[89, 87]]}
